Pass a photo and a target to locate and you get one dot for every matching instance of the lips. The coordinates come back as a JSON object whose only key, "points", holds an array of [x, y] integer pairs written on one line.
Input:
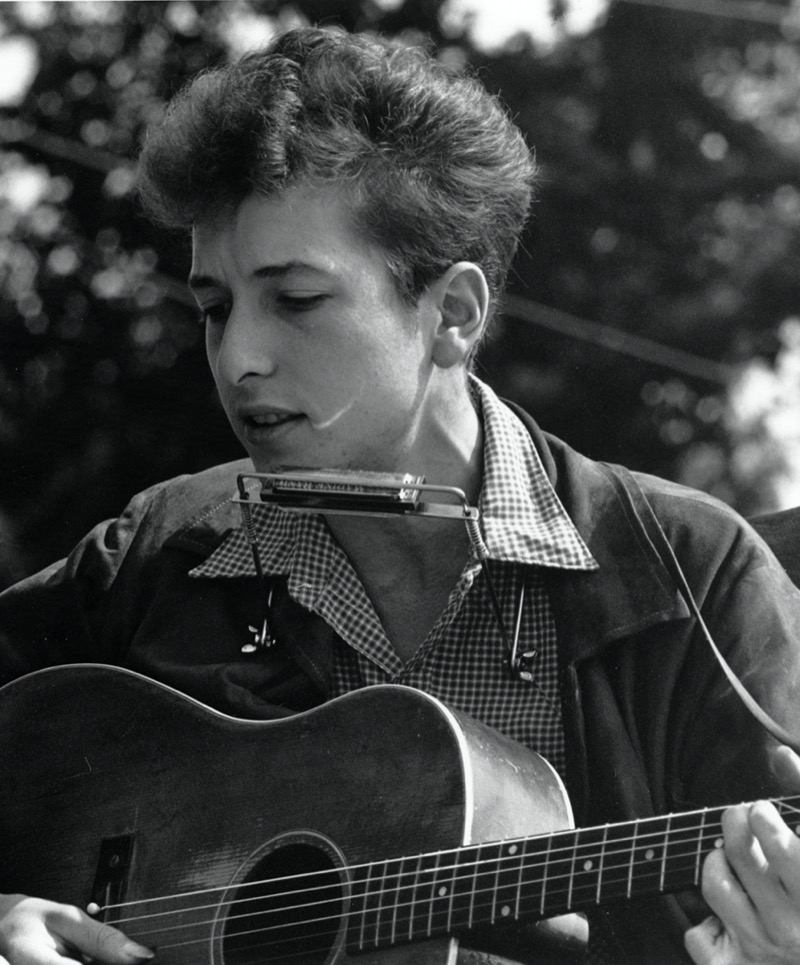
{"points": [[264, 415], [270, 418], [263, 425]]}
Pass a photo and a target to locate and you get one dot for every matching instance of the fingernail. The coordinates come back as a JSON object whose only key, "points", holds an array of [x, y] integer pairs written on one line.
{"points": [[138, 952]]}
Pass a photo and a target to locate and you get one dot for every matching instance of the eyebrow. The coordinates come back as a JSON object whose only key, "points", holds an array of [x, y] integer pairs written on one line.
{"points": [[265, 271]]}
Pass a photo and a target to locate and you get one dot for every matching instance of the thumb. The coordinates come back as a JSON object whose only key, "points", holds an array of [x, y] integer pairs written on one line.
{"points": [[701, 941], [96, 939]]}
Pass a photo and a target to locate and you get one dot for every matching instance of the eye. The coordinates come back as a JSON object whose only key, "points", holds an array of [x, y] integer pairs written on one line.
{"points": [[215, 314], [300, 301]]}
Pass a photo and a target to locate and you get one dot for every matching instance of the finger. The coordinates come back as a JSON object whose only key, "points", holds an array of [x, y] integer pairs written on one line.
{"points": [[728, 900], [96, 939], [38, 953], [762, 852], [702, 942], [786, 765], [779, 845]]}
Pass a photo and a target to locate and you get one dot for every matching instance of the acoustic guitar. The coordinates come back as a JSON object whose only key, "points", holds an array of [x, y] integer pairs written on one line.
{"points": [[377, 828]]}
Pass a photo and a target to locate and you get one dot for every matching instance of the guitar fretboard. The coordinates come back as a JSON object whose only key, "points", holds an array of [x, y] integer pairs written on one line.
{"points": [[413, 898]]}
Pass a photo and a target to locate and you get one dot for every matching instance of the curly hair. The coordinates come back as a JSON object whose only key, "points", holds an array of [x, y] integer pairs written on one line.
{"points": [[434, 169]]}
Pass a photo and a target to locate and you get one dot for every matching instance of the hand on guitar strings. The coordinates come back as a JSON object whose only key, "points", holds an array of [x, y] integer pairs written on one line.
{"points": [[36, 932], [752, 884]]}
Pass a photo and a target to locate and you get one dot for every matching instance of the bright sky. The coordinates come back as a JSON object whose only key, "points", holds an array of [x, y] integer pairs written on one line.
{"points": [[494, 21], [20, 61]]}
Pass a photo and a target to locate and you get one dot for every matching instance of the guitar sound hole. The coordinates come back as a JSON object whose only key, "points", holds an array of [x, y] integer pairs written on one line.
{"points": [[278, 918]]}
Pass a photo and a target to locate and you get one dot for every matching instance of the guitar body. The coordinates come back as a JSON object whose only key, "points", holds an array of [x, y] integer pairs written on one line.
{"points": [[117, 790]]}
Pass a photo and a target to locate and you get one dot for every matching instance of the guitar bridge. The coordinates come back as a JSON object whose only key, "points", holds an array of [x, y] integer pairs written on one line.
{"points": [[111, 878]]}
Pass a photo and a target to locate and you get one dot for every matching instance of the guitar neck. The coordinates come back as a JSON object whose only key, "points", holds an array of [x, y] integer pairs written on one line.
{"points": [[413, 898]]}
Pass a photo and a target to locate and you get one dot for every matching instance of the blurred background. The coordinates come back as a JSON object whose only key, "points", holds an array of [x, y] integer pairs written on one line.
{"points": [[653, 315]]}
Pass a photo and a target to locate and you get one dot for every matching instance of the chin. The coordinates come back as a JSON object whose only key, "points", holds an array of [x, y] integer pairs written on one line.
{"points": [[276, 465]]}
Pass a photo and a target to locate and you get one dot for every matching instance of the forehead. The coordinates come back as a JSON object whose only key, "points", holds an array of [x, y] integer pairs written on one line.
{"points": [[301, 225]]}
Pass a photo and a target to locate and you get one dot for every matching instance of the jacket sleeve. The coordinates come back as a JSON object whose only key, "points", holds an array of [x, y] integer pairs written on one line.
{"points": [[53, 616], [753, 612], [665, 731]]}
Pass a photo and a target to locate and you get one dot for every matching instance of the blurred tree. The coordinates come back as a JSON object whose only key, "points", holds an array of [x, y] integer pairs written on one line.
{"points": [[668, 209]]}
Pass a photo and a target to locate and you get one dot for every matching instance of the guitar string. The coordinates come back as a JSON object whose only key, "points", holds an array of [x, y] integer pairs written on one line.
{"points": [[378, 929], [555, 886], [706, 829], [436, 876]]}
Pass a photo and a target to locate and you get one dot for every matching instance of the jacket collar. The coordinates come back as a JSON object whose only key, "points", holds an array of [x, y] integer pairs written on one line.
{"points": [[632, 590], [207, 528]]}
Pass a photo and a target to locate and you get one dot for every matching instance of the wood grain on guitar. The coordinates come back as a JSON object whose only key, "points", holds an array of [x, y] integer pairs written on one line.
{"points": [[372, 829]]}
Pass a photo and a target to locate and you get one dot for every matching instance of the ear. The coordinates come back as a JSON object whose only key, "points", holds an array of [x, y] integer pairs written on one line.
{"points": [[462, 299]]}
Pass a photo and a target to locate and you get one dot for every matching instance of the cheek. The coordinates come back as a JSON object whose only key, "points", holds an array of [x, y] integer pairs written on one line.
{"points": [[212, 341]]}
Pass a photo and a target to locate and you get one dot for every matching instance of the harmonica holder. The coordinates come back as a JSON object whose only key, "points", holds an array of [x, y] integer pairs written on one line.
{"points": [[373, 495]]}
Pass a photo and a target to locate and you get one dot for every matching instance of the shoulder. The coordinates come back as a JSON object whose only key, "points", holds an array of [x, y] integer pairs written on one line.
{"points": [[193, 511], [781, 530], [607, 501], [677, 504]]}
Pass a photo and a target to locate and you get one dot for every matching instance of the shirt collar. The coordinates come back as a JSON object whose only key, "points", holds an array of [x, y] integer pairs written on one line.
{"points": [[522, 518]]}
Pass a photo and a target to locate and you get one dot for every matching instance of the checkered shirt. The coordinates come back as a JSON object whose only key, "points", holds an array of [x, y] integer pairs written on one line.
{"points": [[464, 660]]}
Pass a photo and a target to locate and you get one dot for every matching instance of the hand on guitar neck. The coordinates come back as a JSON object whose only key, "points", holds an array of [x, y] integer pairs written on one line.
{"points": [[753, 886]]}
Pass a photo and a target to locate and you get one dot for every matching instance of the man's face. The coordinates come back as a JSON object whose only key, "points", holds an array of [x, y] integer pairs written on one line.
{"points": [[318, 362]]}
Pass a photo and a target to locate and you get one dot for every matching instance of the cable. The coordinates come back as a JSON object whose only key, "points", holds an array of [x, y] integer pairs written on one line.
{"points": [[755, 11], [14, 131], [615, 340]]}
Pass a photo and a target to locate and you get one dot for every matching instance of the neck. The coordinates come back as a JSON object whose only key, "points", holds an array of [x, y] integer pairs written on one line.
{"points": [[409, 565], [446, 450]]}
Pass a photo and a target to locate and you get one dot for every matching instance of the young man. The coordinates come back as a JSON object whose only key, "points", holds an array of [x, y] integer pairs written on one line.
{"points": [[354, 209]]}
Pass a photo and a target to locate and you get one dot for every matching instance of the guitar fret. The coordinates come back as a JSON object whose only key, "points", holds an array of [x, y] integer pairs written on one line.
{"points": [[572, 870], [413, 909], [475, 857], [602, 865], [455, 860], [542, 904], [699, 855], [379, 913], [367, 892], [519, 879], [632, 859], [401, 906], [664, 852], [434, 886], [495, 891]]}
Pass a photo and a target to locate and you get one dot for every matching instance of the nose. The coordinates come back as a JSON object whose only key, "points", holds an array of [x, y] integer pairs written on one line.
{"points": [[243, 348]]}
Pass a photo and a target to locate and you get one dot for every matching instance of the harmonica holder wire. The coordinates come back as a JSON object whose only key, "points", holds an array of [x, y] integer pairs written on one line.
{"points": [[355, 494]]}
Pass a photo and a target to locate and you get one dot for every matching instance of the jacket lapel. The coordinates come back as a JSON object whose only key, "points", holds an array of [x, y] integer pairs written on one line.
{"points": [[632, 589]]}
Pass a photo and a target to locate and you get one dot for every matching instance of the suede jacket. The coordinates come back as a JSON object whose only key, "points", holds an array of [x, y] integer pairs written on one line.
{"points": [[652, 725]]}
